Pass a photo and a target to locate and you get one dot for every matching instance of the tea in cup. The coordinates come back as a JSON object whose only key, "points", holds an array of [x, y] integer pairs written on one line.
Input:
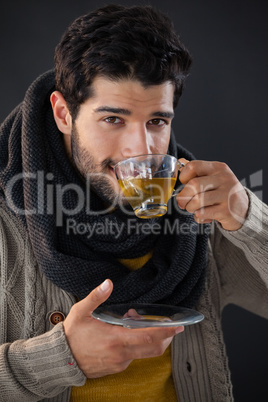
{"points": [[147, 181]]}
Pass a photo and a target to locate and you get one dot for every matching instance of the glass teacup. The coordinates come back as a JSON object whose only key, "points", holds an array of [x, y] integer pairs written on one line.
{"points": [[148, 181]]}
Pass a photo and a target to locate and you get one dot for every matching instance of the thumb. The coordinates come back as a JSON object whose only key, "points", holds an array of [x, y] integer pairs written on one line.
{"points": [[97, 296]]}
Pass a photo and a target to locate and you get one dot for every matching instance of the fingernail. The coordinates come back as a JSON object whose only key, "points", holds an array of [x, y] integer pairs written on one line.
{"points": [[179, 330], [105, 285]]}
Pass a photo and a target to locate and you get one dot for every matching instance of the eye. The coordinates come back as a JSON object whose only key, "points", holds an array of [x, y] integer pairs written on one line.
{"points": [[157, 122], [113, 120]]}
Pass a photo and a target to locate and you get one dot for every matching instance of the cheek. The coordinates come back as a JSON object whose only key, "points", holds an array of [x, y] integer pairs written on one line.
{"points": [[159, 142], [105, 149], [98, 145]]}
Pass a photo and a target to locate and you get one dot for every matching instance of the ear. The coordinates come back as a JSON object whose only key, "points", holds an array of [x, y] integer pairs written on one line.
{"points": [[61, 113]]}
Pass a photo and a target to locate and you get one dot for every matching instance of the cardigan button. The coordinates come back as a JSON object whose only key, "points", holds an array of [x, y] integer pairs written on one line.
{"points": [[56, 317]]}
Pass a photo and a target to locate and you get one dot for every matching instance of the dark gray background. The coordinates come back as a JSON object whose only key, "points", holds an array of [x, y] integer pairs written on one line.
{"points": [[221, 116]]}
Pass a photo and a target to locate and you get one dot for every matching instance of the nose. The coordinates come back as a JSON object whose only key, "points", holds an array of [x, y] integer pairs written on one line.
{"points": [[136, 141]]}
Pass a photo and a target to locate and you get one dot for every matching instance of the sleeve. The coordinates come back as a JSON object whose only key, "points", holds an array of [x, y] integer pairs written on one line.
{"points": [[242, 260], [37, 368]]}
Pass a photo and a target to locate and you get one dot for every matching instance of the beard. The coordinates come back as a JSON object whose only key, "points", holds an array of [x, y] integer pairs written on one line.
{"points": [[100, 181]]}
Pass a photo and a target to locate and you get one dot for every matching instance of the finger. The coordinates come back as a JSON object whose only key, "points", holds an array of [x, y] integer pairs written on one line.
{"points": [[95, 298], [147, 351], [150, 343], [183, 163], [149, 336], [196, 186], [209, 214], [198, 168], [131, 313], [218, 213], [203, 200]]}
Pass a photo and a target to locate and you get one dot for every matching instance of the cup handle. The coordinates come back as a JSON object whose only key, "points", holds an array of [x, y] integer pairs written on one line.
{"points": [[180, 164], [176, 192]]}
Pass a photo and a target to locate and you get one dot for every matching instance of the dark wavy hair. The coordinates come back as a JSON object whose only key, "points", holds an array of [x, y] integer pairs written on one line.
{"points": [[118, 42]]}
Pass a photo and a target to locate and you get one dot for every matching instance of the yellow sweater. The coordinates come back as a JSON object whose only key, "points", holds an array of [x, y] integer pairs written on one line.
{"points": [[144, 380]]}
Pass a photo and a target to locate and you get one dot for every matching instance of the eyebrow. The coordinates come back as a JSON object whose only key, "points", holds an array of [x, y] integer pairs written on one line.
{"points": [[126, 112], [115, 110], [167, 115]]}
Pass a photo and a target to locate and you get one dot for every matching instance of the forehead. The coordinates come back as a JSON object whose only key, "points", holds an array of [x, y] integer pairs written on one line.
{"points": [[131, 93]]}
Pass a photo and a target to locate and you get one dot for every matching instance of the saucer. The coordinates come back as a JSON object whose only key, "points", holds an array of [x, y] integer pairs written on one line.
{"points": [[133, 315]]}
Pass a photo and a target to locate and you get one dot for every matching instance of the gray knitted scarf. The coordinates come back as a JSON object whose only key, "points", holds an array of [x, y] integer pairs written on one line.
{"points": [[78, 254]]}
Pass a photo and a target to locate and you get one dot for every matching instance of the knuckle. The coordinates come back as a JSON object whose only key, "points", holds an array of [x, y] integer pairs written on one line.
{"points": [[194, 183], [117, 360], [195, 203], [147, 339], [119, 367], [121, 359], [191, 166], [224, 167], [123, 356], [190, 208], [159, 349], [195, 186], [199, 214], [198, 199], [199, 217]]}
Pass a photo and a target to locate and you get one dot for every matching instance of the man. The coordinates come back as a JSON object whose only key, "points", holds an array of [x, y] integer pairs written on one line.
{"points": [[70, 243]]}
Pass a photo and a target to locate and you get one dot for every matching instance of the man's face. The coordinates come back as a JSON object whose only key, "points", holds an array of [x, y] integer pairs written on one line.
{"points": [[122, 119]]}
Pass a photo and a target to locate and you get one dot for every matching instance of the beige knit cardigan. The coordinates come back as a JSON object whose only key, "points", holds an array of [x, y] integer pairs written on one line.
{"points": [[34, 355]]}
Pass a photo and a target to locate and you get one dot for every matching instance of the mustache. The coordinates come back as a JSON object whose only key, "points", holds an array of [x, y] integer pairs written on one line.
{"points": [[108, 162]]}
